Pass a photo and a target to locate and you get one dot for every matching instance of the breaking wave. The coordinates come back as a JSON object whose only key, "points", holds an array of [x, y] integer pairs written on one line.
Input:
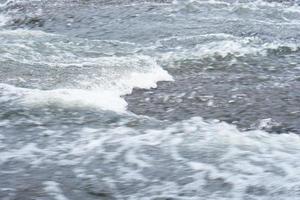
{"points": [[96, 81]]}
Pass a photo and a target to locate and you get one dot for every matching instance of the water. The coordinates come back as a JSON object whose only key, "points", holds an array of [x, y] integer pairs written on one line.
{"points": [[153, 99]]}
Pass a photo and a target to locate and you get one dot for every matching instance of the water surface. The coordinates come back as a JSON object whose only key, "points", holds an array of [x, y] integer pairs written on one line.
{"points": [[154, 99]]}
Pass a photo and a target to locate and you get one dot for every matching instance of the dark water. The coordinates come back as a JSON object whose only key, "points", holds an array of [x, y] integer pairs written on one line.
{"points": [[154, 99]]}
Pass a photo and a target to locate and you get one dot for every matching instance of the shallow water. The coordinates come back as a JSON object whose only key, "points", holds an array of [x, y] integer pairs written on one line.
{"points": [[153, 99]]}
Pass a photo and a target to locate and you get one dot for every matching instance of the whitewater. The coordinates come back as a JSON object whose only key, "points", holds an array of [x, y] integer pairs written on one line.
{"points": [[149, 100]]}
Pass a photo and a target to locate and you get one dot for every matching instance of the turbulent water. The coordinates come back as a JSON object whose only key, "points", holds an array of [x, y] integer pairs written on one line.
{"points": [[153, 99]]}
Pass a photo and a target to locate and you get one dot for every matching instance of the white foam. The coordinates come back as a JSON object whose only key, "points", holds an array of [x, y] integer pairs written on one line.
{"points": [[109, 98], [286, 7], [257, 5], [224, 45], [27, 152], [234, 161], [218, 160], [106, 100], [103, 79], [54, 190], [3, 20]]}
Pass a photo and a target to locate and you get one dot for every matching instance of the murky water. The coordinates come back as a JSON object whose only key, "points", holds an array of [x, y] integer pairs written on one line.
{"points": [[155, 99]]}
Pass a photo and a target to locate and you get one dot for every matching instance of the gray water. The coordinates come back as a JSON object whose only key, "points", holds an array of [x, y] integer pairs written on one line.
{"points": [[153, 99]]}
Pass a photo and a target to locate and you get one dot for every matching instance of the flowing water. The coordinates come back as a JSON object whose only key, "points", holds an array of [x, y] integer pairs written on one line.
{"points": [[149, 99]]}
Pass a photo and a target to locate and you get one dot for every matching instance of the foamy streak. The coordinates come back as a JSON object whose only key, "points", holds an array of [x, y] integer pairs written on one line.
{"points": [[286, 7], [208, 160], [66, 54], [222, 45], [38, 47], [260, 4]]}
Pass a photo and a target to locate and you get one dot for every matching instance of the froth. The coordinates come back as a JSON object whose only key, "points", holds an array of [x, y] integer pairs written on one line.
{"points": [[3, 20], [109, 98], [101, 79], [196, 158], [222, 45]]}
